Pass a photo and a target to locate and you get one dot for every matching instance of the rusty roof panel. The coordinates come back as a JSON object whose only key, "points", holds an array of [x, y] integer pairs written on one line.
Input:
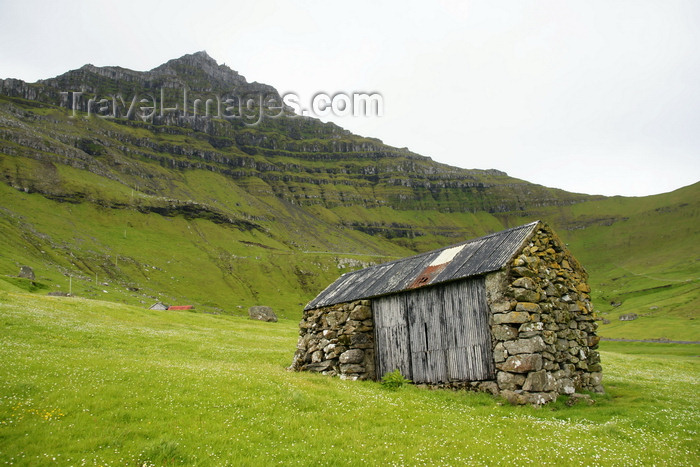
{"points": [[412, 270], [470, 258]]}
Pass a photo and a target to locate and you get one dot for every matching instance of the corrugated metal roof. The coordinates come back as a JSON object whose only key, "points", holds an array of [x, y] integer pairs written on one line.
{"points": [[467, 259]]}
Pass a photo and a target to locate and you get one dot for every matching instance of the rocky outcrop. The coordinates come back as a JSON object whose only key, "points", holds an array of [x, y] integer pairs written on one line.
{"points": [[337, 340], [283, 152]]}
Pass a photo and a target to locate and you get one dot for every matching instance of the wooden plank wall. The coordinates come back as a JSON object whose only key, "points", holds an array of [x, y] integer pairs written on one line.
{"points": [[435, 334]]}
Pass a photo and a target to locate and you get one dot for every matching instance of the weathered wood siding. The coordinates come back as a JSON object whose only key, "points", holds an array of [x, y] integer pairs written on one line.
{"points": [[435, 334]]}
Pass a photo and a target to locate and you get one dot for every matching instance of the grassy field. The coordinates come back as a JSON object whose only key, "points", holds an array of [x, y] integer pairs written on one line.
{"points": [[84, 382]]}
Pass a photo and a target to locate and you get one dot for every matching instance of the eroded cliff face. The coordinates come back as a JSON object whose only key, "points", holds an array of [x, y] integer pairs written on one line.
{"points": [[85, 119]]}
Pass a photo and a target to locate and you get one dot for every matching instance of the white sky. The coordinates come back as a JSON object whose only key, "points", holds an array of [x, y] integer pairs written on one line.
{"points": [[595, 96]]}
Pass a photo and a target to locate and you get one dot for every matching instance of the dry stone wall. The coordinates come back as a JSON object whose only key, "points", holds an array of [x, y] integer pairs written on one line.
{"points": [[542, 324], [543, 331], [337, 340]]}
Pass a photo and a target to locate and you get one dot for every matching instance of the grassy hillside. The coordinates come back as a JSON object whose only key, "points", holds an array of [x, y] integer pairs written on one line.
{"points": [[101, 383], [140, 257], [643, 257], [223, 216]]}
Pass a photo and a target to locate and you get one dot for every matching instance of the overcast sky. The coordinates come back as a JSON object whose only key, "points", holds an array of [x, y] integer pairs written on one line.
{"points": [[599, 97]]}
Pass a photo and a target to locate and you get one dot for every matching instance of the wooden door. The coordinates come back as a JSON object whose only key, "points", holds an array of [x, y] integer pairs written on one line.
{"points": [[435, 334]]}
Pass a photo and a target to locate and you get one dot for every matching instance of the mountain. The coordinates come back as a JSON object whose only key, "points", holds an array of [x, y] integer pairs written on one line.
{"points": [[123, 185]]}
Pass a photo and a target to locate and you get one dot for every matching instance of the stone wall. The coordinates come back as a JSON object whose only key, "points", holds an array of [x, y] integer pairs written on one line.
{"points": [[542, 324], [337, 340]]}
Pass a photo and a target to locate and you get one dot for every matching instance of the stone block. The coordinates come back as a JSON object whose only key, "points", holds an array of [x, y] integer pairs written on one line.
{"points": [[488, 386], [528, 307], [550, 365], [525, 283], [522, 271], [552, 291], [351, 368], [549, 337], [565, 386], [509, 381], [500, 307], [362, 341], [320, 366], [531, 327], [522, 363], [361, 313], [503, 332], [514, 317], [561, 316], [499, 353], [525, 346], [352, 356], [514, 397], [540, 398], [525, 295], [540, 381]]}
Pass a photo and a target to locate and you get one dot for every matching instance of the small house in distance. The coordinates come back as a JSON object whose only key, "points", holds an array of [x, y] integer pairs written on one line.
{"points": [[508, 313]]}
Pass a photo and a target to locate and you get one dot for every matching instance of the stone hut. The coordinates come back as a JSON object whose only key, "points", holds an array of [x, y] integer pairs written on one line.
{"points": [[508, 313]]}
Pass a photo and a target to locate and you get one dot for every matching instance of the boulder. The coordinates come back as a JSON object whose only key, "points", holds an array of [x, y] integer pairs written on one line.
{"points": [[262, 313], [27, 272]]}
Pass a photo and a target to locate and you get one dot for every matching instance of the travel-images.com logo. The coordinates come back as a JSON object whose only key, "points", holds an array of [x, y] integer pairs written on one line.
{"points": [[249, 107]]}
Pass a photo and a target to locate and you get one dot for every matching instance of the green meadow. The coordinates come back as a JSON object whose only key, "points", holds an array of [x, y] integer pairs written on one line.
{"points": [[122, 214], [87, 382]]}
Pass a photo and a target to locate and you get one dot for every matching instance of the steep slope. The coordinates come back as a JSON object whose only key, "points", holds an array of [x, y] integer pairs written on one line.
{"points": [[226, 214]]}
